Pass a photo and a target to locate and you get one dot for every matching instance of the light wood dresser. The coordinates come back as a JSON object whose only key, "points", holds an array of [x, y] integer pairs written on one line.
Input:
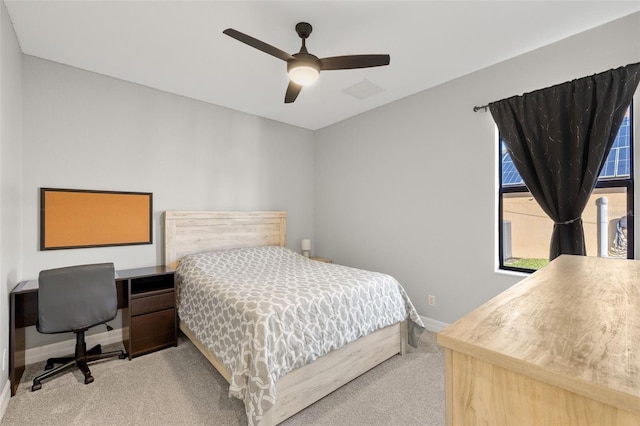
{"points": [[562, 347]]}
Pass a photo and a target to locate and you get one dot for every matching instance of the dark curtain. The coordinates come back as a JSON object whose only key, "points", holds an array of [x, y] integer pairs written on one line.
{"points": [[559, 139]]}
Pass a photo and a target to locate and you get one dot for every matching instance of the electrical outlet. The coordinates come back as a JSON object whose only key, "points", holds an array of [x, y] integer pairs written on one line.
{"points": [[432, 300]]}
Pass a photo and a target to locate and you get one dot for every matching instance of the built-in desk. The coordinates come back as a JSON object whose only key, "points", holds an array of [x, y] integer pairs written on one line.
{"points": [[560, 347], [149, 326]]}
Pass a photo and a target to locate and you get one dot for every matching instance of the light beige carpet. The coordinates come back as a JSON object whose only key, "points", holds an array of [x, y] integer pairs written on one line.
{"points": [[179, 386]]}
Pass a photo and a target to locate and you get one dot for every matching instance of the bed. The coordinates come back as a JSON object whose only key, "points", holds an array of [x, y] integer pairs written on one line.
{"points": [[200, 239]]}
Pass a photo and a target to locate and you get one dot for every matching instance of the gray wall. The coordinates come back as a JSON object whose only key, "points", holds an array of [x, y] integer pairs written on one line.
{"points": [[410, 188], [10, 175], [88, 131]]}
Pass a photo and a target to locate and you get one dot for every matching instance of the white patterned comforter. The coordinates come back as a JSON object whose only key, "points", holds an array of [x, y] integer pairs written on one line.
{"points": [[265, 311]]}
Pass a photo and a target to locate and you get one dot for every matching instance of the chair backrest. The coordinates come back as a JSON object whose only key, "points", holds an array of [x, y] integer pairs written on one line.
{"points": [[76, 297]]}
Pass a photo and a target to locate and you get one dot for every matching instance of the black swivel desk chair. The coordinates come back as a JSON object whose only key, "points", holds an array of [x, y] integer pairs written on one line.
{"points": [[76, 298]]}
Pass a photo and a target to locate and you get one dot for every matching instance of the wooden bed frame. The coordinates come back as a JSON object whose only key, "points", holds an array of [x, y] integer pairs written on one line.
{"points": [[188, 232]]}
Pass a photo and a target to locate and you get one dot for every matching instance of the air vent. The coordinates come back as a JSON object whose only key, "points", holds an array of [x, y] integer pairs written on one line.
{"points": [[363, 89]]}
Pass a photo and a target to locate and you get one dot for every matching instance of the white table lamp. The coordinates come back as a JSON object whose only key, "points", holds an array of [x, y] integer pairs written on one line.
{"points": [[306, 247]]}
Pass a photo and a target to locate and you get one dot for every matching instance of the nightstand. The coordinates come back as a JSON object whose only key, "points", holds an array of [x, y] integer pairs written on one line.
{"points": [[321, 259]]}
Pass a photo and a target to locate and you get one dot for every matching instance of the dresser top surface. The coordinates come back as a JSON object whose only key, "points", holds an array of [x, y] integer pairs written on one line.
{"points": [[574, 323]]}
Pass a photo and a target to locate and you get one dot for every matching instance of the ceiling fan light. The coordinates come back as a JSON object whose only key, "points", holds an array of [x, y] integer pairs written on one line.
{"points": [[304, 75]]}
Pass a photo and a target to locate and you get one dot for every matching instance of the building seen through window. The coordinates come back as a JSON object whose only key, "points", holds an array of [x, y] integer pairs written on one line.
{"points": [[525, 230]]}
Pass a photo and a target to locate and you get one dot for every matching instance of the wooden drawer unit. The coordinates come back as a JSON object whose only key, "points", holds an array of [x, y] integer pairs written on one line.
{"points": [[152, 303], [150, 332], [149, 322]]}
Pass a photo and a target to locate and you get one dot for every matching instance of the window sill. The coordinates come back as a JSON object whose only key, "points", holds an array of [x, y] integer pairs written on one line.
{"points": [[512, 273]]}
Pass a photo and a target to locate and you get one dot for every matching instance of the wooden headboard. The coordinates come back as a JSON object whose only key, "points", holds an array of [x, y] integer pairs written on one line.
{"points": [[188, 232]]}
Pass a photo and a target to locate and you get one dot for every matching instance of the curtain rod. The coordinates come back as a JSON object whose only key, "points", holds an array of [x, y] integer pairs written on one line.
{"points": [[486, 107]]}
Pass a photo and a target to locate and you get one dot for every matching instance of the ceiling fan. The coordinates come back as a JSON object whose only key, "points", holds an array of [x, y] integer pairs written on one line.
{"points": [[303, 67]]}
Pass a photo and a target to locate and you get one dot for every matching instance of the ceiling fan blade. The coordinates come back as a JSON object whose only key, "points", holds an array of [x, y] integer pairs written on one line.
{"points": [[353, 61], [293, 90], [260, 45]]}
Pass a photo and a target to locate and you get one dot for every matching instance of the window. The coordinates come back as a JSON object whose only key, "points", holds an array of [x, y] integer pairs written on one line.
{"points": [[525, 230]]}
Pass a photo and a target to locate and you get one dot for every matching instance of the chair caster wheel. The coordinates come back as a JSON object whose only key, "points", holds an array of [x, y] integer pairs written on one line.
{"points": [[123, 355], [88, 379], [49, 366], [35, 387]]}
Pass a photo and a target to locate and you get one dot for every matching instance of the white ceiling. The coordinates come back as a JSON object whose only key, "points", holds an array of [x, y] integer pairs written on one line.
{"points": [[178, 46]]}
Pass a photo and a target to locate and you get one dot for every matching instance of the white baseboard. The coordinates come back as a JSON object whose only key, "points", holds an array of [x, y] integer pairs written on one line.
{"points": [[42, 353], [5, 396], [434, 325]]}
